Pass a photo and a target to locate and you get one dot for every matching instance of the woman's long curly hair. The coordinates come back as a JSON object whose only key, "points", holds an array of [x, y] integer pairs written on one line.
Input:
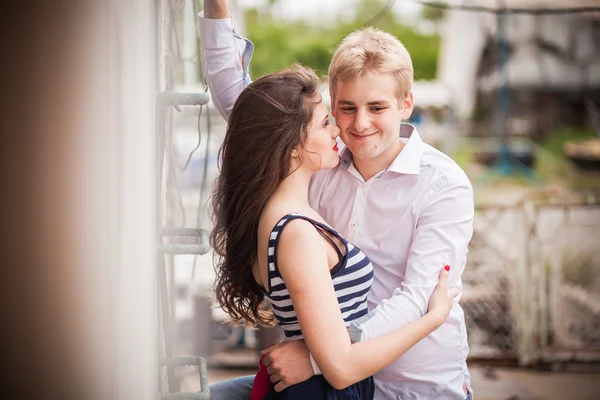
{"points": [[269, 119]]}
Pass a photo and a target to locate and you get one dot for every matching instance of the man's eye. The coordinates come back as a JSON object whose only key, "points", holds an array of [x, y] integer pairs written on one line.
{"points": [[348, 109], [378, 109]]}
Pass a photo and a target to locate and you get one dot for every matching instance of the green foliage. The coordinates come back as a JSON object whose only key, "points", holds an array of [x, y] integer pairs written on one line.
{"points": [[552, 164], [282, 43], [433, 13], [554, 141]]}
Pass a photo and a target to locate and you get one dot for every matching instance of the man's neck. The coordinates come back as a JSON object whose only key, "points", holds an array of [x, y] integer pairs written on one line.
{"points": [[369, 168]]}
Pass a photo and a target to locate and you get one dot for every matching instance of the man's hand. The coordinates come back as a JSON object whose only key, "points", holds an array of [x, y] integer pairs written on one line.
{"points": [[216, 9], [288, 363]]}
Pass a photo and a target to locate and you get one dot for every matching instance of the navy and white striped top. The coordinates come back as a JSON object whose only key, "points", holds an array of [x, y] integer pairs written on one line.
{"points": [[352, 278]]}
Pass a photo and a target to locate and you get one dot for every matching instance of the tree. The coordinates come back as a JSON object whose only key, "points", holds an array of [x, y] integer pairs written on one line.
{"points": [[280, 44]]}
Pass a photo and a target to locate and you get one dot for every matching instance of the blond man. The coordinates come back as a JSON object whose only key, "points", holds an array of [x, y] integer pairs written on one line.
{"points": [[407, 205]]}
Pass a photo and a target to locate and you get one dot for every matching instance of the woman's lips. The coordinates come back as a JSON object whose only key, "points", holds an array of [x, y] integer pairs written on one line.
{"points": [[335, 147]]}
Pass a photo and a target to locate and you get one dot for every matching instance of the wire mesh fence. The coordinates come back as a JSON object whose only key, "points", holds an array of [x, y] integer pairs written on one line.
{"points": [[568, 243], [489, 291], [532, 283]]}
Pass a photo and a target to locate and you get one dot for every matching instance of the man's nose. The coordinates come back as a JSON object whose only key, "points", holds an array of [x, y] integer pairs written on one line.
{"points": [[362, 121], [335, 131]]}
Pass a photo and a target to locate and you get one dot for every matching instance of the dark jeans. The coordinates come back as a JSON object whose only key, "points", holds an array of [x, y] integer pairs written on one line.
{"points": [[317, 388], [233, 389], [241, 389]]}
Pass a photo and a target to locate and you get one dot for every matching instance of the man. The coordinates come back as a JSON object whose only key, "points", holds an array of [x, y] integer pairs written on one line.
{"points": [[406, 205]]}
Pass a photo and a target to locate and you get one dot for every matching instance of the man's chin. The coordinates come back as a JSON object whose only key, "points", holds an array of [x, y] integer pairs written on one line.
{"points": [[357, 149], [362, 155]]}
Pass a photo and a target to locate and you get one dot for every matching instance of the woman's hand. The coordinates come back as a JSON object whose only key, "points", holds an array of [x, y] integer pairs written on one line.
{"points": [[441, 300]]}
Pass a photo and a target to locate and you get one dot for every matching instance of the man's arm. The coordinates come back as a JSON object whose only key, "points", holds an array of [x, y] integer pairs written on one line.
{"points": [[225, 55], [443, 232]]}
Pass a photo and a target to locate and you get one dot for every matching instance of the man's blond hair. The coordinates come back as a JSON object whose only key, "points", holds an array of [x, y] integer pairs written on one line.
{"points": [[371, 50]]}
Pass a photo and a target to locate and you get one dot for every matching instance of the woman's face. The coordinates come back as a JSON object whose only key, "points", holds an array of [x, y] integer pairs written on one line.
{"points": [[320, 147]]}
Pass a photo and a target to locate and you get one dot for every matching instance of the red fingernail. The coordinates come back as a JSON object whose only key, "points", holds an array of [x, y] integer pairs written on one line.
{"points": [[447, 268]]}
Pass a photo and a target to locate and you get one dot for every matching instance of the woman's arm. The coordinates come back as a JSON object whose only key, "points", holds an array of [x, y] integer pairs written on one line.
{"points": [[302, 261]]}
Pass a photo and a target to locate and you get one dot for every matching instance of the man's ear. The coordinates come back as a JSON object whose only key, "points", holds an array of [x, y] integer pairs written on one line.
{"points": [[408, 105]]}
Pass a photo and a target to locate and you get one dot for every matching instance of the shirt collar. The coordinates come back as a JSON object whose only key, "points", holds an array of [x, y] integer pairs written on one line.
{"points": [[409, 159]]}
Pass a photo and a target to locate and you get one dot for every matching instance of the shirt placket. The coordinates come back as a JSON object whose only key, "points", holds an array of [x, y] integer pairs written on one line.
{"points": [[358, 211]]}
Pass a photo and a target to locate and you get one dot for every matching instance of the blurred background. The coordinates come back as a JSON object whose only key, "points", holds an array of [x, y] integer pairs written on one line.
{"points": [[114, 142]]}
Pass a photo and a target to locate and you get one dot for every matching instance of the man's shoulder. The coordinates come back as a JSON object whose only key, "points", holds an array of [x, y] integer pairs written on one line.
{"points": [[437, 166]]}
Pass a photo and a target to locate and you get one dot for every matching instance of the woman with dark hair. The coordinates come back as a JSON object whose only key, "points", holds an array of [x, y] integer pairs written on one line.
{"points": [[273, 249]]}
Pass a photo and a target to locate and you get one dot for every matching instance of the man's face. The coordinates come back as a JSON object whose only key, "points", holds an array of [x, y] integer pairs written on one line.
{"points": [[368, 112]]}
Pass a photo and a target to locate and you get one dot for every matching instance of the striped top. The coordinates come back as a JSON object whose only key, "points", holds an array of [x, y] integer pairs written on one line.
{"points": [[352, 278]]}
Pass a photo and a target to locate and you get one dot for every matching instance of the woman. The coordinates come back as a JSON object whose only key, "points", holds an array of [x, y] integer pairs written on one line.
{"points": [[273, 248]]}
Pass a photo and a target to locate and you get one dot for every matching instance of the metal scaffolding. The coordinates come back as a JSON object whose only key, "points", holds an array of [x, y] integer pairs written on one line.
{"points": [[172, 240]]}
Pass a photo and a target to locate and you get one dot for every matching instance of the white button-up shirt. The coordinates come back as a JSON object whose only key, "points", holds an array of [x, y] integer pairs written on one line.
{"points": [[410, 219]]}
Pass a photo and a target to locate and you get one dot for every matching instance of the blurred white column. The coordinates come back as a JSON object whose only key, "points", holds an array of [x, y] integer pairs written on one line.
{"points": [[135, 285]]}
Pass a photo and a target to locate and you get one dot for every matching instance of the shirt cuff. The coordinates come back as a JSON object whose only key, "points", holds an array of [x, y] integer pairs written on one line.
{"points": [[216, 33], [356, 332], [358, 329]]}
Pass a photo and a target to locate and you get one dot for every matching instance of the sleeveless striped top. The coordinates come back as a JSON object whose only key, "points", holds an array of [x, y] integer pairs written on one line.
{"points": [[352, 278]]}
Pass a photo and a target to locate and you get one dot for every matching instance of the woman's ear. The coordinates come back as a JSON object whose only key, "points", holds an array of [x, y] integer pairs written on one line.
{"points": [[295, 162]]}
